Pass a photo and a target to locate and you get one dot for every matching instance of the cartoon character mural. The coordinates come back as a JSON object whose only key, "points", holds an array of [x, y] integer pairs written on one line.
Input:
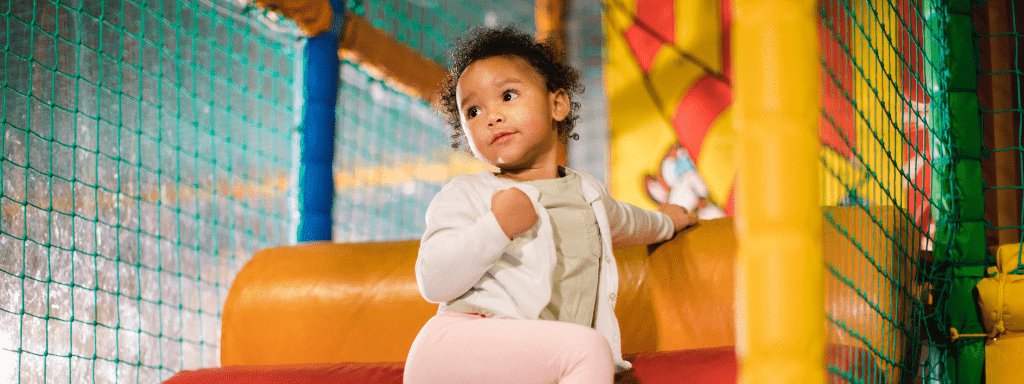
{"points": [[679, 183], [668, 78]]}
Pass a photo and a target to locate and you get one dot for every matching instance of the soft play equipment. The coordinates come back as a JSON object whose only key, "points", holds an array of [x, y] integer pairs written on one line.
{"points": [[347, 313], [1001, 298]]}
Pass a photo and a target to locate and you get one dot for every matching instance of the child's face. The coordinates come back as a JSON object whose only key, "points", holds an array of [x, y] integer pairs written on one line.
{"points": [[508, 114]]}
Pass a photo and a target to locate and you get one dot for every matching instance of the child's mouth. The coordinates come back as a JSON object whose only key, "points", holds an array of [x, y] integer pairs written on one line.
{"points": [[502, 137]]}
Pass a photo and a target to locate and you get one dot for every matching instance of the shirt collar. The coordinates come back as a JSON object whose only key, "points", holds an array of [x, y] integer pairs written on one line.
{"points": [[590, 193]]}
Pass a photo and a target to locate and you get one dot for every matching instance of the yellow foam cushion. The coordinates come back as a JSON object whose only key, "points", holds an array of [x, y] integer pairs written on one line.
{"points": [[1001, 295], [1001, 298]]}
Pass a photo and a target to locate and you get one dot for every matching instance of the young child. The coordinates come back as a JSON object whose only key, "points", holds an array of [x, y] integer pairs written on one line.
{"points": [[520, 260]]}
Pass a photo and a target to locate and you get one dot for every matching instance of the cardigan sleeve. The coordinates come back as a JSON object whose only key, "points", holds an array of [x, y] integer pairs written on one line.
{"points": [[632, 225], [462, 241]]}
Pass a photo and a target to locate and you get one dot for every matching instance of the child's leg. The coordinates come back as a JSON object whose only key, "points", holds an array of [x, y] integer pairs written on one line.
{"points": [[455, 347]]}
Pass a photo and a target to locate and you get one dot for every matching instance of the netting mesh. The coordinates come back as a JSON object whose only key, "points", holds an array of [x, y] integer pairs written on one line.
{"points": [[392, 156], [149, 148], [147, 152], [902, 148], [430, 26], [883, 110], [900, 160], [145, 156], [873, 126], [1000, 38]]}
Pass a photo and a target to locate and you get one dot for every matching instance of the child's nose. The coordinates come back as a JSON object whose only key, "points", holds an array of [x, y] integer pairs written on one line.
{"points": [[496, 117]]}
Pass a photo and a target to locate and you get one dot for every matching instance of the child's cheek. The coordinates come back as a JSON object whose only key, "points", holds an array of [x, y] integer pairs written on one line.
{"points": [[472, 135]]}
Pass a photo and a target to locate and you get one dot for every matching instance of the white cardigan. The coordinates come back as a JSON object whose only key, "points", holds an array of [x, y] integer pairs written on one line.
{"points": [[465, 252]]}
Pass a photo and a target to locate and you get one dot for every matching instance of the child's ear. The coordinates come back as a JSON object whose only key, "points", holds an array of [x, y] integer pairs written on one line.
{"points": [[560, 104]]}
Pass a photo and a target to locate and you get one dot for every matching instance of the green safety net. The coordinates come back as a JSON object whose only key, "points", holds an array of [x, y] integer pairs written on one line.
{"points": [[902, 152], [1000, 39], [146, 155], [430, 26], [878, 91], [388, 150], [149, 148]]}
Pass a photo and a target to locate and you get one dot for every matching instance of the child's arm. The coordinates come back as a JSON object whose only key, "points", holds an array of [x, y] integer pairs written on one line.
{"points": [[462, 241], [632, 225]]}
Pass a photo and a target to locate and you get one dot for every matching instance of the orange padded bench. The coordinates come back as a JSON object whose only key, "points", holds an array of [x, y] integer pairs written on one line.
{"points": [[348, 313]]}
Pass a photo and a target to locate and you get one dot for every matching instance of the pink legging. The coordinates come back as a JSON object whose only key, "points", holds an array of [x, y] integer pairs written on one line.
{"points": [[456, 347]]}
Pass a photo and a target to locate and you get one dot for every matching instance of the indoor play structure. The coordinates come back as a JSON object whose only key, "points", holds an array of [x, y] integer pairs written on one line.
{"points": [[858, 164]]}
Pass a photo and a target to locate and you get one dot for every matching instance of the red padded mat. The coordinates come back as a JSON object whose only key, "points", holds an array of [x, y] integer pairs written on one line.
{"points": [[692, 366], [340, 373]]}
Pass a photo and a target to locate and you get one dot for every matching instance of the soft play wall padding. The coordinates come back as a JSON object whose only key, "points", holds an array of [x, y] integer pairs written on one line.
{"points": [[323, 302]]}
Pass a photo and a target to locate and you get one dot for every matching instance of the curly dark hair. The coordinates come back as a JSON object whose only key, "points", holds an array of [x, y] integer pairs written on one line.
{"points": [[482, 43]]}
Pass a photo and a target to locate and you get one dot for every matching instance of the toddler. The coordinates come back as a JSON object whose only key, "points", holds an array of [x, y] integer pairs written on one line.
{"points": [[521, 260]]}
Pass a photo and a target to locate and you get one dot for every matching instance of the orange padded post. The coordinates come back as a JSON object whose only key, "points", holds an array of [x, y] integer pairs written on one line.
{"points": [[386, 58], [313, 17], [372, 48], [549, 16]]}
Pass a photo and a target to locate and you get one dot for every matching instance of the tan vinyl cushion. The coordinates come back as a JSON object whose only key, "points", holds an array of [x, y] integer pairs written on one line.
{"points": [[324, 302]]}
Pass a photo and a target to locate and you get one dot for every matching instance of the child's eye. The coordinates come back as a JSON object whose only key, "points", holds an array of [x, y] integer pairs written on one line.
{"points": [[509, 95], [472, 112]]}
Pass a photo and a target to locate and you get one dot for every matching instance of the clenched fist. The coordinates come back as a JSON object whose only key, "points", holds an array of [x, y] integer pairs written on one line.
{"points": [[514, 211]]}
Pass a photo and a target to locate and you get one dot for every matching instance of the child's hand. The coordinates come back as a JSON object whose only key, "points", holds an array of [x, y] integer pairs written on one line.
{"points": [[681, 218], [514, 211]]}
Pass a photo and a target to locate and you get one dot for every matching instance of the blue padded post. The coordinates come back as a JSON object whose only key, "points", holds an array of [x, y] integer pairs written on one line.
{"points": [[316, 177]]}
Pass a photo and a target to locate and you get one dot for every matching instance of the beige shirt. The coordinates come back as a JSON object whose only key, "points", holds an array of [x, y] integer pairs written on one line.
{"points": [[578, 247]]}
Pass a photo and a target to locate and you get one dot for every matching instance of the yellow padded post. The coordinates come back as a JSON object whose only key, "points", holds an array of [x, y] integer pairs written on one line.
{"points": [[780, 333]]}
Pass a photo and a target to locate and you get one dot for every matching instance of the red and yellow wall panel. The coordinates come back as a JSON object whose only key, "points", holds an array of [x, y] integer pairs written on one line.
{"points": [[668, 77]]}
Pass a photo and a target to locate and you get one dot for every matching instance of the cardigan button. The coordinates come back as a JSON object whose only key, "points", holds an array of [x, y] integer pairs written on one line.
{"points": [[612, 297]]}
